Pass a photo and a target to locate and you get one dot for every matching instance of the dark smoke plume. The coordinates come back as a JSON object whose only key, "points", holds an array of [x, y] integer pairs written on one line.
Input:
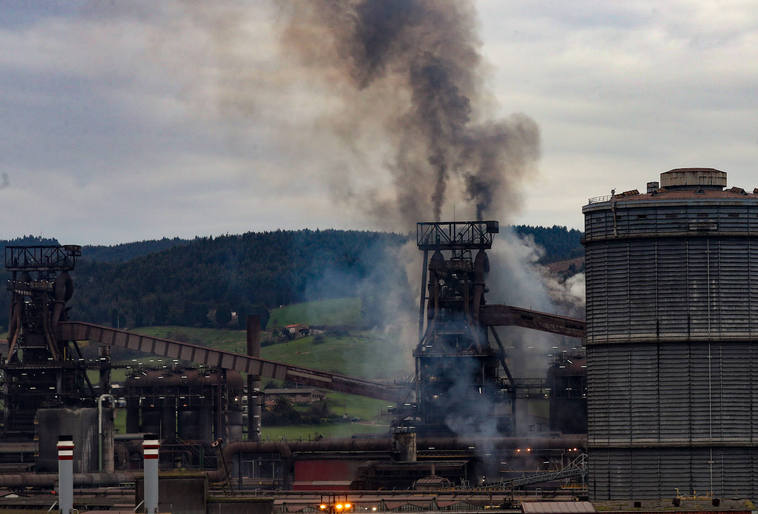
{"points": [[425, 53]]}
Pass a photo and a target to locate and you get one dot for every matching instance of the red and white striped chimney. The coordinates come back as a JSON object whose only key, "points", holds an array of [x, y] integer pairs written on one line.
{"points": [[151, 447], [65, 473]]}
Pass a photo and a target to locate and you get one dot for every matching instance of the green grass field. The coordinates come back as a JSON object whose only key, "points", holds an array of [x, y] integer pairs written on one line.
{"points": [[221, 339], [119, 421], [337, 311], [357, 406], [364, 354]]}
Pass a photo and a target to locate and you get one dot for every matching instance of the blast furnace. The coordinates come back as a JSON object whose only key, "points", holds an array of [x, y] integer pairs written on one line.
{"points": [[457, 380], [40, 370], [672, 324]]}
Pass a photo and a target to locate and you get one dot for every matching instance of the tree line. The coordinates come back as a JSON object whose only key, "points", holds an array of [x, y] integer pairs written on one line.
{"points": [[203, 281]]}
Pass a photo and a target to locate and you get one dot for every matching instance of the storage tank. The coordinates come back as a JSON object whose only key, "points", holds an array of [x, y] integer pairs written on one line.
{"points": [[672, 320]]}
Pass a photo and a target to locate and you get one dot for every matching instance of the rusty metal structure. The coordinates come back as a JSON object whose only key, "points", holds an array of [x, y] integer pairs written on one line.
{"points": [[671, 331], [208, 357], [43, 342], [195, 410], [456, 368], [184, 404], [41, 370], [461, 378]]}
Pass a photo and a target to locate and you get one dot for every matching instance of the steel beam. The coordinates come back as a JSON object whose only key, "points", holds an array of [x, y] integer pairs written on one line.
{"points": [[80, 331], [507, 315]]}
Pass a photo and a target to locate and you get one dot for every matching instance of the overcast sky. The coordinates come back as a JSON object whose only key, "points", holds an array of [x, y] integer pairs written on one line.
{"points": [[124, 121]]}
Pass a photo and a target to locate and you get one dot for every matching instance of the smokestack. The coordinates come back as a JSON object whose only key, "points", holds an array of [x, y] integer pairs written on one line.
{"points": [[66, 473], [151, 446], [253, 381]]}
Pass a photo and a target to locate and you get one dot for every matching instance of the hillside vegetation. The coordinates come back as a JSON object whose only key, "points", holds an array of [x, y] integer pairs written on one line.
{"points": [[203, 281], [127, 251], [559, 243], [336, 311], [354, 353]]}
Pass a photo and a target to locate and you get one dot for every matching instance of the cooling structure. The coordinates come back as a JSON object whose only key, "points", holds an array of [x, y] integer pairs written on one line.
{"points": [[672, 325]]}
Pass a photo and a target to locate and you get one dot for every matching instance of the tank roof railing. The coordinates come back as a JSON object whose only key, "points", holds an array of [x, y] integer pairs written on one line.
{"points": [[600, 199]]}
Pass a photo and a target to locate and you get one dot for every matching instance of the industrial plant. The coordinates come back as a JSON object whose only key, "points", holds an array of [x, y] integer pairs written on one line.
{"points": [[658, 409]]}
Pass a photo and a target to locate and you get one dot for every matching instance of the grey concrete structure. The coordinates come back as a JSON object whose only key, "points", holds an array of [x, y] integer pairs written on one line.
{"points": [[672, 321], [82, 424]]}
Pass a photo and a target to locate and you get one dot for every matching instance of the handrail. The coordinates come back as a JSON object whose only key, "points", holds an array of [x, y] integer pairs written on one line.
{"points": [[599, 199]]}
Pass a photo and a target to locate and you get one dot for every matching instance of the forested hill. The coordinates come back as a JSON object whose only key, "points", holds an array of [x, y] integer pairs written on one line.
{"points": [[126, 251], [248, 273], [559, 243], [176, 281], [115, 253]]}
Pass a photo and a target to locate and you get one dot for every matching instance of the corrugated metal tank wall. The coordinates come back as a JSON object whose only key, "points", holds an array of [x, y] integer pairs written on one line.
{"points": [[672, 318]]}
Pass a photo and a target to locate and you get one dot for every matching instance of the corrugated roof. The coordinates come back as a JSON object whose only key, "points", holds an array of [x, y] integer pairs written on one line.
{"points": [[548, 507]]}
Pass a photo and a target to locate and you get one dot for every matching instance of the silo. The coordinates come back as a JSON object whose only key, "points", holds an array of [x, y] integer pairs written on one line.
{"points": [[672, 321]]}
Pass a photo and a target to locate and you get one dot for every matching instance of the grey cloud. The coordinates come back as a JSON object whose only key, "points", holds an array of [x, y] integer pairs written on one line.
{"points": [[107, 101], [618, 103]]}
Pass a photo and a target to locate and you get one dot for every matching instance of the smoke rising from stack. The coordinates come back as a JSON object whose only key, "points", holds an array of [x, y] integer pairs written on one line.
{"points": [[385, 101], [410, 72], [382, 100], [425, 53]]}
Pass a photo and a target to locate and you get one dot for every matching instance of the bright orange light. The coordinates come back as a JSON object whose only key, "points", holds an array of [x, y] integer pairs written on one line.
{"points": [[347, 505], [322, 507], [528, 449], [338, 506]]}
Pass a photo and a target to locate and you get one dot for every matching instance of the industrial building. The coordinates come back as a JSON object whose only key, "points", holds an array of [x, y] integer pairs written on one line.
{"points": [[662, 400], [672, 320], [197, 413]]}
